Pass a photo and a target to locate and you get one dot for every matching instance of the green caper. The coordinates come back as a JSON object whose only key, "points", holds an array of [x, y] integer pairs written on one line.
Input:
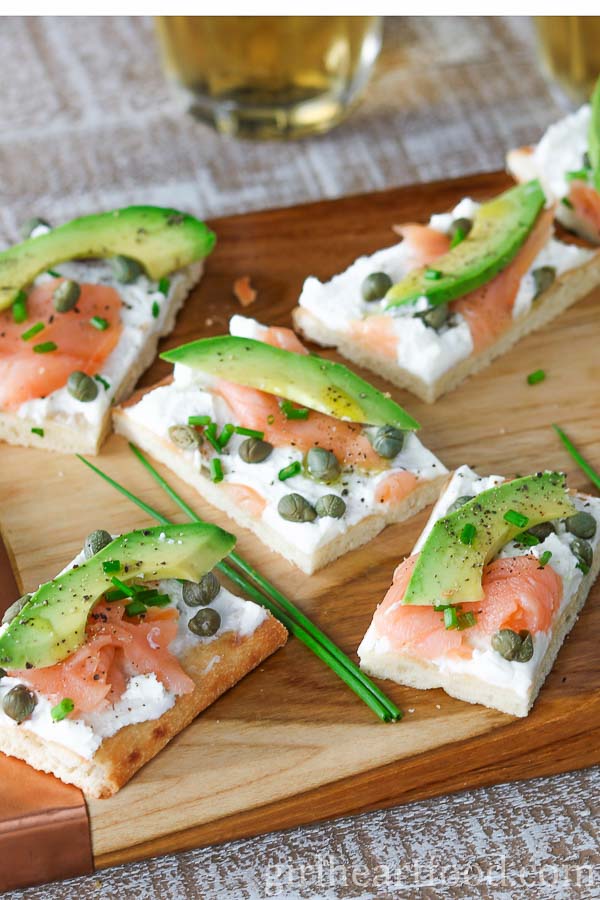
{"points": [[201, 593], [295, 508], [15, 608], [581, 524], [28, 227], [388, 441], [435, 316], [541, 531], [253, 450], [330, 506], [587, 163], [82, 387], [95, 542], [185, 437], [125, 269], [542, 279], [513, 646], [322, 465], [462, 226], [460, 501], [205, 623], [375, 286], [583, 553], [65, 296], [19, 703]]}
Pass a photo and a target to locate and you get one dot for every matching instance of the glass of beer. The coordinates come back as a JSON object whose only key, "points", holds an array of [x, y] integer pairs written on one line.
{"points": [[570, 50], [270, 76]]}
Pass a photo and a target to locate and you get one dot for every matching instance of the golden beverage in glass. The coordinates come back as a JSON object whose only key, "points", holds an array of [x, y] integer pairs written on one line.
{"points": [[570, 50], [270, 76]]}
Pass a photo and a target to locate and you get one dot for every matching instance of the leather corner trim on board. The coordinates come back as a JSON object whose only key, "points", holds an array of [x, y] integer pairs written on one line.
{"points": [[44, 824]]}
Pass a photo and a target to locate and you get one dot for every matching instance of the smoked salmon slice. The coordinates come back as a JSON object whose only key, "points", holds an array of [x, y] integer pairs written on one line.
{"points": [[28, 375], [424, 243], [518, 594], [586, 203], [285, 338]]}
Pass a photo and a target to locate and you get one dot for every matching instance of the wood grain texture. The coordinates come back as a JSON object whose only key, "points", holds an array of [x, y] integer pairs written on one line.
{"points": [[291, 744]]}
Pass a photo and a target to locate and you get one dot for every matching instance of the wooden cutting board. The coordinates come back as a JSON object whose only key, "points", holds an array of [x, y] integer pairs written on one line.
{"points": [[291, 744]]}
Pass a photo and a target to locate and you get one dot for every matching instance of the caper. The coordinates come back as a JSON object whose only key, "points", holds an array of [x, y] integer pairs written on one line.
{"points": [[542, 279], [541, 531], [82, 387], [201, 593], [460, 501], [95, 542], [375, 286], [185, 437], [15, 608], [388, 441], [205, 623], [125, 269], [295, 508], [253, 450], [435, 316], [322, 465], [513, 646], [587, 163], [28, 227], [19, 703], [65, 296], [462, 225], [581, 524], [330, 506], [583, 553]]}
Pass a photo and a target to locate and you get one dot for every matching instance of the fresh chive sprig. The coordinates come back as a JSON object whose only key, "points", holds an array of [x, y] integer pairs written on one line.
{"points": [[581, 461]]}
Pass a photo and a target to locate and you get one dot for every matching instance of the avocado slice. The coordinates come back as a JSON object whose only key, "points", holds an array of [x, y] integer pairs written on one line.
{"points": [[52, 623], [499, 230], [161, 240], [310, 380], [594, 136], [449, 571]]}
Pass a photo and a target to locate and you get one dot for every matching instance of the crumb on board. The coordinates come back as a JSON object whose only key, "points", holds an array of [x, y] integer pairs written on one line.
{"points": [[244, 293]]}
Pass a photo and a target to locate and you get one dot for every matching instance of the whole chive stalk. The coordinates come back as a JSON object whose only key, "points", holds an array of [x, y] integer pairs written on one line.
{"points": [[581, 461]]}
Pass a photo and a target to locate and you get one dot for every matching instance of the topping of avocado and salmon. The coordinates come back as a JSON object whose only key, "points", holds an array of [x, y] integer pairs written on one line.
{"points": [[500, 228], [311, 381], [52, 623], [160, 240], [450, 565]]}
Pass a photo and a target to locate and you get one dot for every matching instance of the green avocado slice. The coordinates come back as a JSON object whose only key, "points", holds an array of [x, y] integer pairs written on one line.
{"points": [[161, 240], [309, 380], [52, 623], [500, 228], [594, 135], [449, 571]]}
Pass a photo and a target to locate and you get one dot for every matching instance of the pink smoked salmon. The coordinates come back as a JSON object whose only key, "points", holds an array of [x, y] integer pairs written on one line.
{"points": [[586, 203], [249, 500], [519, 593], [96, 674], [488, 309], [285, 338], [27, 375], [395, 487]]}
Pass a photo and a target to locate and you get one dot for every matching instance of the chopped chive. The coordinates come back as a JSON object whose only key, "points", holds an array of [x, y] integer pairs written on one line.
{"points": [[111, 596], [144, 594], [216, 470], [566, 202], [135, 608], [516, 518], [292, 412], [468, 533], [62, 709], [466, 620], [577, 175], [545, 557], [46, 347], [432, 274], [157, 600], [31, 332], [249, 432], [164, 285], [527, 539], [289, 471], [111, 565], [155, 310], [100, 323], [210, 433], [105, 384], [128, 589], [450, 617], [199, 420], [457, 238], [38, 431], [442, 606], [225, 435], [19, 308], [583, 464], [536, 377], [53, 273]]}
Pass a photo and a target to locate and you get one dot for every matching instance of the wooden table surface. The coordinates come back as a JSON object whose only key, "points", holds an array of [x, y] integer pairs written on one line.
{"points": [[93, 125]]}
